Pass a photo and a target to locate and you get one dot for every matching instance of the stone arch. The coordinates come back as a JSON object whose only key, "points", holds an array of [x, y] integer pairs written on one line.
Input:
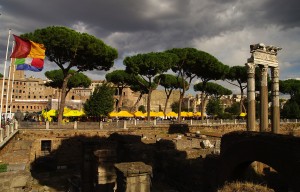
{"points": [[240, 149]]}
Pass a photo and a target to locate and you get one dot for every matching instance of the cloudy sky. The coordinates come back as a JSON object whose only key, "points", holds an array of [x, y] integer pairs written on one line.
{"points": [[224, 29]]}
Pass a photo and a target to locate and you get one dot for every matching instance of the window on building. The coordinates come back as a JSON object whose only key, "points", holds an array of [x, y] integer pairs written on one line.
{"points": [[46, 145]]}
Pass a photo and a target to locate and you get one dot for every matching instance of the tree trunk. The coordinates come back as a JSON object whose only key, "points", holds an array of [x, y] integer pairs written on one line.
{"points": [[63, 98], [166, 103], [148, 104], [179, 105], [137, 101], [120, 98], [242, 100], [203, 100], [202, 106]]}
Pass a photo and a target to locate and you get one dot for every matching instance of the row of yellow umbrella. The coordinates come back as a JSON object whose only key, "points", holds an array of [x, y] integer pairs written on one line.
{"points": [[153, 114], [67, 113]]}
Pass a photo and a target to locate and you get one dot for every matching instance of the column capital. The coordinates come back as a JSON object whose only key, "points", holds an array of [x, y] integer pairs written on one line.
{"points": [[263, 67], [275, 72], [250, 67], [263, 75]]}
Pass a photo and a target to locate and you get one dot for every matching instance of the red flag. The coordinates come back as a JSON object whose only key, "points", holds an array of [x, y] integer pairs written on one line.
{"points": [[22, 48]]}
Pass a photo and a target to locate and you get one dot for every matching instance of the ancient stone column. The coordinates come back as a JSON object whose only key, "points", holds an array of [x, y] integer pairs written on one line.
{"points": [[264, 98], [251, 97], [275, 100], [133, 177]]}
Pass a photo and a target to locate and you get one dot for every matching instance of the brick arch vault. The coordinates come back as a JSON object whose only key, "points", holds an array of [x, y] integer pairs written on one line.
{"points": [[281, 152]]}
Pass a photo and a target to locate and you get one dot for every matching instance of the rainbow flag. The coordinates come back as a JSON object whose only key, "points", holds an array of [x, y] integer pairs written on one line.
{"points": [[28, 55]]}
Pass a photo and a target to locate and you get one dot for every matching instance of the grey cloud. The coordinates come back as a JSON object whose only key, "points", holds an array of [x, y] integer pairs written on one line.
{"points": [[133, 26]]}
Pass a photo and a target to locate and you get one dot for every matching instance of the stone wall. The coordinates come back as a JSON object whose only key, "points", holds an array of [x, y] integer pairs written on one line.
{"points": [[171, 155]]}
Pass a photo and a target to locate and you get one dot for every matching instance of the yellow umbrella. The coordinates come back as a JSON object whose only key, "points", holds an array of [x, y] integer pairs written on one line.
{"points": [[160, 114], [190, 114], [51, 112], [139, 114], [197, 114], [66, 110], [73, 113], [113, 114], [172, 114], [184, 114], [152, 114], [243, 114], [124, 114]]}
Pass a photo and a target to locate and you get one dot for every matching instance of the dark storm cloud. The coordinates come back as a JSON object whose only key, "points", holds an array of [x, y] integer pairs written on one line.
{"points": [[113, 15], [134, 26], [284, 13]]}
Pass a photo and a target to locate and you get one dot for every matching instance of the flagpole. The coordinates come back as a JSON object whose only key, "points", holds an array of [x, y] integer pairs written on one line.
{"points": [[3, 81], [8, 85], [12, 87]]}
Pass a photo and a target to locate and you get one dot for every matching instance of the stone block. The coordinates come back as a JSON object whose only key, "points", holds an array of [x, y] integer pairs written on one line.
{"points": [[206, 144], [19, 181]]}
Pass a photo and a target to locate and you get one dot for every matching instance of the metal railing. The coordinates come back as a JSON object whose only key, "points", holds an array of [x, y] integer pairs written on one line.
{"points": [[7, 132], [123, 124]]}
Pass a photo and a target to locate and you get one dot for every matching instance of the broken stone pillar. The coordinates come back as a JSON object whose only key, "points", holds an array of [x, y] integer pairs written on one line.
{"points": [[16, 124], [106, 175], [7, 128], [75, 125], [275, 99], [264, 98], [133, 177], [47, 124], [1, 134], [251, 97]]}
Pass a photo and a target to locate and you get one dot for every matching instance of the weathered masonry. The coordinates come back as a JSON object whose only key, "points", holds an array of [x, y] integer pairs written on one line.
{"points": [[264, 57]]}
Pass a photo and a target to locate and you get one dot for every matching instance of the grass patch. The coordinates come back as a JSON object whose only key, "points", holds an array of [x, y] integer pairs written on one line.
{"points": [[244, 187], [3, 167]]}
